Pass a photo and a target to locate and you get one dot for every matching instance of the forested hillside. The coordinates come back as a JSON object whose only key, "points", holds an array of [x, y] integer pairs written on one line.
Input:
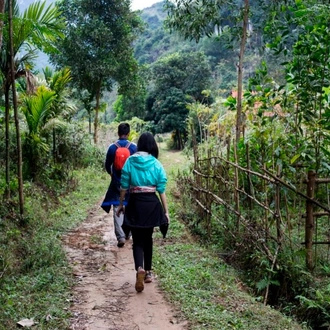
{"points": [[241, 87], [157, 41]]}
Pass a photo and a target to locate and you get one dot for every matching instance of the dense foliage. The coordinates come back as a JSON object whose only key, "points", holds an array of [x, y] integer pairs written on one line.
{"points": [[175, 85], [178, 79], [100, 34]]}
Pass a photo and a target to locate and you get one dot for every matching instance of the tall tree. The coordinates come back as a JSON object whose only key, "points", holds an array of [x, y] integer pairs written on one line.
{"points": [[58, 83], [2, 10], [308, 76], [196, 18], [37, 28], [18, 136], [98, 46], [178, 79], [132, 103], [37, 109]]}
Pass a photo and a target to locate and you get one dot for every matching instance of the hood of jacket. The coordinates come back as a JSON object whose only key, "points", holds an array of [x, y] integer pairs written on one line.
{"points": [[142, 160]]}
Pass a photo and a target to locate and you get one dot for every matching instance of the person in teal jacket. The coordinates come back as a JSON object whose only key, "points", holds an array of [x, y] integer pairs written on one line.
{"points": [[143, 176]]}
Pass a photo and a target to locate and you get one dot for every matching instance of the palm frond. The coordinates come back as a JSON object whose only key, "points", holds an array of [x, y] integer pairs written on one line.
{"points": [[39, 25], [47, 22], [53, 124], [26, 60], [48, 74], [37, 109], [60, 80], [38, 143], [69, 110]]}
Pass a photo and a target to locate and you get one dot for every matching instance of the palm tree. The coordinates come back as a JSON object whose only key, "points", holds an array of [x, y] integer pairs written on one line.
{"points": [[37, 28], [37, 110], [44, 110], [57, 82]]}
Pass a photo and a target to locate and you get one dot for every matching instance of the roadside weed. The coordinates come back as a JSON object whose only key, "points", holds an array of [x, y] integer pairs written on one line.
{"points": [[38, 278]]}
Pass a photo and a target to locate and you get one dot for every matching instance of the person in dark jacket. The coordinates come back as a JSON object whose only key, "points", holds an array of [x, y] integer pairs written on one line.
{"points": [[113, 192], [143, 175]]}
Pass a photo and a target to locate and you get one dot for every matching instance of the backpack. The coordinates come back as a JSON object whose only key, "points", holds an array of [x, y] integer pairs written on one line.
{"points": [[122, 153]]}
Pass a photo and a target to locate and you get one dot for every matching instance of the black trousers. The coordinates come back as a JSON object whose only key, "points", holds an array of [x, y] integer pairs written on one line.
{"points": [[142, 247]]}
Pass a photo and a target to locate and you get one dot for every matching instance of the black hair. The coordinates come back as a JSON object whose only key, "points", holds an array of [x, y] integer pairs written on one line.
{"points": [[148, 144], [123, 129]]}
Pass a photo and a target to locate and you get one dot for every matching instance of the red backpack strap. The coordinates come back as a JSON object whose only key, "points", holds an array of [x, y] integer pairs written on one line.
{"points": [[128, 145]]}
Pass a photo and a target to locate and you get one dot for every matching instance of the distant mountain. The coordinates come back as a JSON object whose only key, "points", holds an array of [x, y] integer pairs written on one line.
{"points": [[156, 41]]}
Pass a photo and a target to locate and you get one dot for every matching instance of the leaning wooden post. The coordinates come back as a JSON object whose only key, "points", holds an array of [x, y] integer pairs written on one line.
{"points": [[278, 208], [227, 195], [236, 192], [309, 225], [208, 201]]}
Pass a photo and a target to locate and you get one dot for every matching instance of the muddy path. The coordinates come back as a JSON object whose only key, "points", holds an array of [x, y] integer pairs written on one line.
{"points": [[104, 295]]}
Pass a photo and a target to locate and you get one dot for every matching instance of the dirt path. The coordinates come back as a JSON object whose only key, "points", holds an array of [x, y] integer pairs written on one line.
{"points": [[104, 294]]}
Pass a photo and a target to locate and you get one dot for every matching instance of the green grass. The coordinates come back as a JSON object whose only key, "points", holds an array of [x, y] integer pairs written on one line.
{"points": [[204, 289], [37, 280], [208, 292]]}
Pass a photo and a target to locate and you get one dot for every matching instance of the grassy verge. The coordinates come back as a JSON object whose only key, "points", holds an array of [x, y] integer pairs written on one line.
{"points": [[36, 279], [205, 290]]}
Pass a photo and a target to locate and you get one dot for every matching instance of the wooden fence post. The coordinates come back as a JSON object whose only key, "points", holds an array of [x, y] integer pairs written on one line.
{"points": [[236, 192], [278, 208], [309, 224]]}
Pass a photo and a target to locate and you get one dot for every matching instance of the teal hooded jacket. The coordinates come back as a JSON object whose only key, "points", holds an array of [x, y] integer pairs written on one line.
{"points": [[143, 169]]}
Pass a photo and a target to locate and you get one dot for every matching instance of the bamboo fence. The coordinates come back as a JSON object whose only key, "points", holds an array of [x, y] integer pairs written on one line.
{"points": [[261, 205]]}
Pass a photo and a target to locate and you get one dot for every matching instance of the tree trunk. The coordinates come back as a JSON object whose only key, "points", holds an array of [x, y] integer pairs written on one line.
{"points": [[89, 121], [96, 118], [7, 141], [18, 134], [309, 223], [55, 155], [239, 119], [7, 190], [2, 10]]}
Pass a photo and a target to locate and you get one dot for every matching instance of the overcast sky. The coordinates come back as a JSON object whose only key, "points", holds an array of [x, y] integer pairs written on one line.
{"points": [[136, 4], [141, 4]]}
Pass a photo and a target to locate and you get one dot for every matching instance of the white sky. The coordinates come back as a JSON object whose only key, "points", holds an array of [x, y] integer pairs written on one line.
{"points": [[141, 4], [136, 4]]}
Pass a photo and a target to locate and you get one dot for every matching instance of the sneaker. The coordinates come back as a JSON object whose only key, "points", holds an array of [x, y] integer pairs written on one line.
{"points": [[140, 275], [121, 242], [148, 277]]}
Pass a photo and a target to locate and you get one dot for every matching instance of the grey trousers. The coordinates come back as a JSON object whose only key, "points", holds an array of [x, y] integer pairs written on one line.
{"points": [[118, 222]]}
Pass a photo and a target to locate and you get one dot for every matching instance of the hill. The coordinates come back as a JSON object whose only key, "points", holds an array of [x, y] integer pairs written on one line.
{"points": [[156, 41]]}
